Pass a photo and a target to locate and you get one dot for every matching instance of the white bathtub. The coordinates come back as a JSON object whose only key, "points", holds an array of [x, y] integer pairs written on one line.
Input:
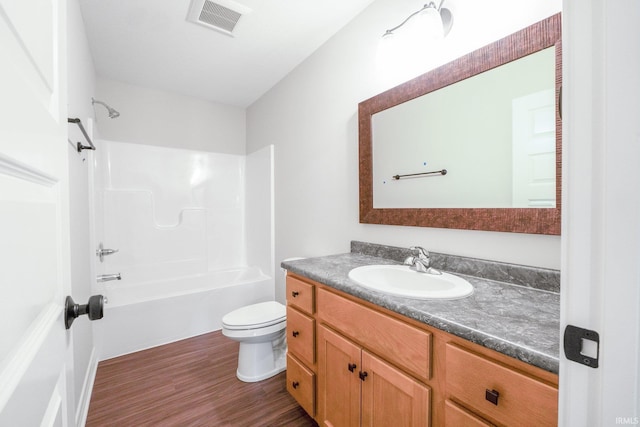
{"points": [[143, 315]]}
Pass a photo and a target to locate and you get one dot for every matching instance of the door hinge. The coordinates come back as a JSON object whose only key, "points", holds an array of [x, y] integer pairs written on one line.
{"points": [[582, 345]]}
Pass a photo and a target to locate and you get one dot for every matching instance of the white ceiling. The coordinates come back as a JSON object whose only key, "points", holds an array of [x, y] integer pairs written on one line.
{"points": [[150, 43]]}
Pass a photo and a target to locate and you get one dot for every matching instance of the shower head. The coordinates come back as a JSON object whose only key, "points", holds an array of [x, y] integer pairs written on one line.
{"points": [[112, 112]]}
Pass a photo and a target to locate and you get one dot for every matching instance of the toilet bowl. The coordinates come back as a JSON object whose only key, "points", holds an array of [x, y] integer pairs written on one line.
{"points": [[260, 329]]}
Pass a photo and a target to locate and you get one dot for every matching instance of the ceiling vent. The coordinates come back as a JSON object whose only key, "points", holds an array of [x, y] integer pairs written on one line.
{"points": [[220, 15]]}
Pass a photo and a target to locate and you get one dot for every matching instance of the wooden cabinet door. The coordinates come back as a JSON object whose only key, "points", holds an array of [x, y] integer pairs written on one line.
{"points": [[390, 397], [339, 384]]}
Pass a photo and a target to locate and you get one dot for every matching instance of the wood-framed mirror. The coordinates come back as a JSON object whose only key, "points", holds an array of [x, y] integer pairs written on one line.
{"points": [[533, 218]]}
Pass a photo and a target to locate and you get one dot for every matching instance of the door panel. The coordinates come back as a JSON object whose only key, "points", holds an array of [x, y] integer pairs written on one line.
{"points": [[390, 397], [339, 388], [34, 225]]}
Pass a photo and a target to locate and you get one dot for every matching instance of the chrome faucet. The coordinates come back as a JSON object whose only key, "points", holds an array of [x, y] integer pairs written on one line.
{"points": [[108, 277], [422, 262], [101, 252]]}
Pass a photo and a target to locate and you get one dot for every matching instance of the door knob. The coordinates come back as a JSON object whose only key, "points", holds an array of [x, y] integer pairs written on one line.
{"points": [[94, 308]]}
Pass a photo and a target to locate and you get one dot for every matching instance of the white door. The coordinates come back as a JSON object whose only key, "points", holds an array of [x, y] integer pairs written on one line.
{"points": [[601, 209], [534, 150], [34, 226]]}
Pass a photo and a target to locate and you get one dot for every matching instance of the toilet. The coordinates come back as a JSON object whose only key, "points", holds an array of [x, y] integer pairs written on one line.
{"points": [[260, 329]]}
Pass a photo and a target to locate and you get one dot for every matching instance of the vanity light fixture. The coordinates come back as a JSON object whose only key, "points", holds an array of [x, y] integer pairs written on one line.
{"points": [[437, 21]]}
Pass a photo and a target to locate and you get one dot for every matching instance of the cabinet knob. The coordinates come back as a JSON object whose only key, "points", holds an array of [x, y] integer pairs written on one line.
{"points": [[351, 367], [295, 294], [492, 396], [295, 384], [295, 333], [363, 375]]}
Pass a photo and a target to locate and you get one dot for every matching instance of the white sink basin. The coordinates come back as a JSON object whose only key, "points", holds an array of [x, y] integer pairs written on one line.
{"points": [[400, 280]]}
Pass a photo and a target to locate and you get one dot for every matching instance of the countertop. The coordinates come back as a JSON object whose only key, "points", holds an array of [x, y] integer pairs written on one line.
{"points": [[519, 321]]}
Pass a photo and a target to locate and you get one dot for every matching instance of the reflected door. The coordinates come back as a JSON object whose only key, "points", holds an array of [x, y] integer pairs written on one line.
{"points": [[534, 151]]}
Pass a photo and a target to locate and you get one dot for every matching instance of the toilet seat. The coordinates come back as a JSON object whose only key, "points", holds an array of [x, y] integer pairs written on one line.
{"points": [[255, 316]]}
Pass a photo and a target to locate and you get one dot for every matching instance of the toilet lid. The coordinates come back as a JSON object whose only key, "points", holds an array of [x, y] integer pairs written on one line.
{"points": [[255, 316]]}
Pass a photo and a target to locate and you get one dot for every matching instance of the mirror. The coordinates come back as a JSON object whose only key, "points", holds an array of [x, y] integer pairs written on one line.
{"points": [[486, 124]]}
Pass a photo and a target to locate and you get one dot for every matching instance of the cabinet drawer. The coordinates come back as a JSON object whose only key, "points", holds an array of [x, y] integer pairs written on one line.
{"points": [[522, 400], [301, 338], [300, 294], [301, 384], [456, 416], [381, 334]]}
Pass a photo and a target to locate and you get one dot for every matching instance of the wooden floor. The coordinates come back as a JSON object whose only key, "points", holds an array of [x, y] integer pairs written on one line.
{"points": [[189, 383]]}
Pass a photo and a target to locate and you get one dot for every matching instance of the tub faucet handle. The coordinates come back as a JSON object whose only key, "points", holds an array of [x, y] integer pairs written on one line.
{"points": [[101, 252]]}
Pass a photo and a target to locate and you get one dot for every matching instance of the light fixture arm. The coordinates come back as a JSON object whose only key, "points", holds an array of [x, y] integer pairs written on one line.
{"points": [[426, 6]]}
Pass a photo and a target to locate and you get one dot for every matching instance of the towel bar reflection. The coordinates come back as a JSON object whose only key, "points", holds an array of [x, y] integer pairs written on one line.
{"points": [[86, 135], [421, 174]]}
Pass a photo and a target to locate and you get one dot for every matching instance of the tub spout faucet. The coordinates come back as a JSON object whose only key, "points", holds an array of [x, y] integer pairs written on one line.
{"points": [[109, 277], [422, 262]]}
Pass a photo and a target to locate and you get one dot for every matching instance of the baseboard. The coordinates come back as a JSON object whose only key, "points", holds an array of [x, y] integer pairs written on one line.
{"points": [[82, 410]]}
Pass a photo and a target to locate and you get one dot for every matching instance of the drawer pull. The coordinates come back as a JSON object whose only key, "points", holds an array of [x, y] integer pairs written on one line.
{"points": [[352, 366], [295, 333], [295, 384], [295, 294], [492, 396]]}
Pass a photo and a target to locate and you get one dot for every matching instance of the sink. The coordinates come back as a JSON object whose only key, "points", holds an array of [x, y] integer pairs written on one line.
{"points": [[401, 280]]}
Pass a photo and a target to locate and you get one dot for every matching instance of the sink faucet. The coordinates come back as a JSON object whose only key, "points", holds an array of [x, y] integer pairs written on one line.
{"points": [[422, 262]]}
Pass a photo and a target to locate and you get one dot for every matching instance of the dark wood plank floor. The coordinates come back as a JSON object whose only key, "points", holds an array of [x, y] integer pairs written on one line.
{"points": [[189, 383]]}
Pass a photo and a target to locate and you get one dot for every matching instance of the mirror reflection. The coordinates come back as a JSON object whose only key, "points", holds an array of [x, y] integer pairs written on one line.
{"points": [[493, 133], [541, 212]]}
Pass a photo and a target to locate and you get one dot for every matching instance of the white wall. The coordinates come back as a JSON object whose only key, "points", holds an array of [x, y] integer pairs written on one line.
{"points": [[311, 118], [81, 86], [154, 117]]}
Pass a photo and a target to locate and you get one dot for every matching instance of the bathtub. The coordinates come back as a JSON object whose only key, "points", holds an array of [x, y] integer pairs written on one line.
{"points": [[142, 315]]}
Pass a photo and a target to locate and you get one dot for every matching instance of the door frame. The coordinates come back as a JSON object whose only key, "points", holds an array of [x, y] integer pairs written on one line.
{"points": [[601, 208]]}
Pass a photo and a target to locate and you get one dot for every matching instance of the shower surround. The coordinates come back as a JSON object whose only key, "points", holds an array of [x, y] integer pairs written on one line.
{"points": [[194, 237]]}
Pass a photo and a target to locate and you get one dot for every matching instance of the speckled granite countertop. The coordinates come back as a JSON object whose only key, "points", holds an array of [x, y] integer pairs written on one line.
{"points": [[517, 320]]}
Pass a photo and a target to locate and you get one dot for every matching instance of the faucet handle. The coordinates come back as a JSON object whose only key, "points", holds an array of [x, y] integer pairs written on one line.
{"points": [[410, 260], [101, 252], [422, 252]]}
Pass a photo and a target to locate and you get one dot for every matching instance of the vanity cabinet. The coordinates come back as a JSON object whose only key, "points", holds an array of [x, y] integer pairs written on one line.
{"points": [[459, 417], [496, 391], [353, 363], [357, 388], [301, 343]]}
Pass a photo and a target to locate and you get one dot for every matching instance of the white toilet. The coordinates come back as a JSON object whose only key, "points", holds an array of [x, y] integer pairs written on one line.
{"points": [[260, 329]]}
